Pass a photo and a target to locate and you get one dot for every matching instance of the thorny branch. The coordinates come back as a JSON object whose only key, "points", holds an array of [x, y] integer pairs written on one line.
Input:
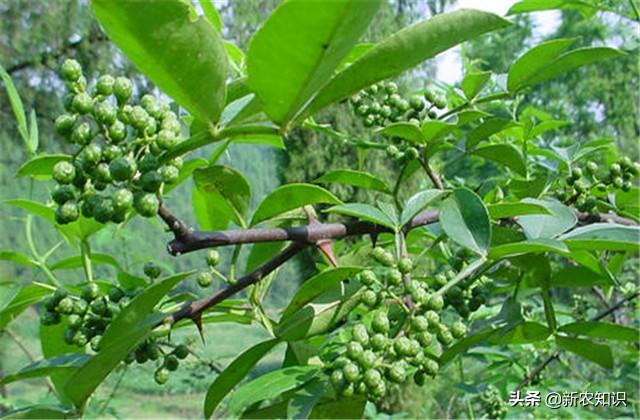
{"points": [[187, 240], [556, 354], [193, 310]]}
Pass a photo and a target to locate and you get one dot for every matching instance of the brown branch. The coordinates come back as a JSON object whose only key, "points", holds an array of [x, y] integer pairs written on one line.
{"points": [[556, 354], [192, 310], [189, 240], [433, 176]]}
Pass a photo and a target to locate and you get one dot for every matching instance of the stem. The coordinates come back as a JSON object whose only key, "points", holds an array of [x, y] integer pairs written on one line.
{"points": [[113, 391], [85, 252], [636, 11], [489, 98], [433, 176]]}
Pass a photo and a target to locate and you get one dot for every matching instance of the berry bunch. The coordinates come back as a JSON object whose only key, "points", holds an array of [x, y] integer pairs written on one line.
{"points": [[493, 404], [464, 299], [380, 104], [120, 163], [87, 315], [169, 356], [399, 335], [205, 278], [581, 184]]}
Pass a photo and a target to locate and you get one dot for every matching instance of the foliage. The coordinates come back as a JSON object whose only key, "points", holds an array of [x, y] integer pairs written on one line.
{"points": [[457, 267]]}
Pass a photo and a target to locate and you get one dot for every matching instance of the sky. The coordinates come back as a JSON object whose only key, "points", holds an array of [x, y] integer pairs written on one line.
{"points": [[449, 63]]}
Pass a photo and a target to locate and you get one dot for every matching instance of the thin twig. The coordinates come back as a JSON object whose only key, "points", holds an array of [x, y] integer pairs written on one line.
{"points": [[553, 356], [192, 310], [433, 176], [16, 339]]}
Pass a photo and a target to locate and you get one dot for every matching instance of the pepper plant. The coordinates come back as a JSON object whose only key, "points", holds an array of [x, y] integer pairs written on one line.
{"points": [[404, 285]]}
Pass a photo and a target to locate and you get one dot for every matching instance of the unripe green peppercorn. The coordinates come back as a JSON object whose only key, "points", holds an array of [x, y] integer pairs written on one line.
{"points": [[405, 265], [151, 270], [181, 351], [122, 89], [64, 124], [397, 373], [64, 172], [380, 322], [82, 103], [147, 205], [161, 376], [67, 213], [71, 70], [351, 372], [354, 350], [367, 277], [360, 334], [204, 279], [369, 298], [63, 193], [458, 329]]}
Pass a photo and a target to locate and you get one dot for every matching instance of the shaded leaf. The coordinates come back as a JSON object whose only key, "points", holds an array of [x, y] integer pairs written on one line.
{"points": [[505, 154], [504, 210], [604, 236], [602, 330], [404, 130], [419, 202], [549, 226], [474, 82], [598, 353], [487, 129], [364, 212], [465, 219], [222, 195], [41, 166], [527, 247], [46, 367]]}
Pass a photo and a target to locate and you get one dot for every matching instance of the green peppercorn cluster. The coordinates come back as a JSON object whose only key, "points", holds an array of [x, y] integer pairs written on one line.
{"points": [[492, 403], [120, 164], [380, 105], [580, 307], [205, 278], [584, 184], [166, 355], [87, 315], [399, 337], [464, 299]]}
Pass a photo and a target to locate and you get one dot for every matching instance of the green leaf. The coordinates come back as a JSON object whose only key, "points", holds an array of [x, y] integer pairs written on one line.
{"points": [[34, 137], [523, 333], [603, 236], [527, 6], [26, 297], [317, 285], [33, 207], [234, 373], [504, 210], [572, 60], [506, 154], [364, 212], [469, 116], [598, 353], [184, 57], [298, 48], [321, 314], [419, 202], [465, 344], [356, 178], [348, 408], [602, 330], [487, 129], [547, 126], [39, 411], [474, 82], [527, 247], [289, 197], [76, 262], [532, 187], [267, 139], [303, 402], [406, 49], [465, 219], [18, 258], [560, 220], [404, 130], [52, 344], [212, 15], [235, 108], [17, 107], [356, 52], [46, 367], [269, 386], [8, 291], [578, 276], [534, 61], [222, 195], [433, 130], [126, 330], [547, 61], [41, 166]]}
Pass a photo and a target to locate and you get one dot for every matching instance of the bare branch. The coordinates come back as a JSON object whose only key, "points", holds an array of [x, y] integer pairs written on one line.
{"points": [[192, 310], [556, 354]]}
